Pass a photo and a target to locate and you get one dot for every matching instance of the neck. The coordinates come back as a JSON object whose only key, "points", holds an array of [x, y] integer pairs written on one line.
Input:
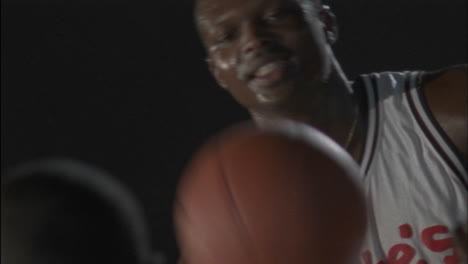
{"points": [[328, 106]]}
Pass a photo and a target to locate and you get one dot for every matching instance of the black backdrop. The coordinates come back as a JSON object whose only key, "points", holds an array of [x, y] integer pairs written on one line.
{"points": [[122, 84]]}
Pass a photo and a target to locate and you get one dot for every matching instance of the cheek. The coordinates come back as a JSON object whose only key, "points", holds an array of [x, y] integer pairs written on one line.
{"points": [[223, 59], [226, 63]]}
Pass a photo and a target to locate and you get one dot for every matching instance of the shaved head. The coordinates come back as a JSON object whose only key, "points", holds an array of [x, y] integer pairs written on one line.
{"points": [[309, 7]]}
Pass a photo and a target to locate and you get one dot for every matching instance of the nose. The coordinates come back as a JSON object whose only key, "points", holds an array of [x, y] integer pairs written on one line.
{"points": [[252, 39]]}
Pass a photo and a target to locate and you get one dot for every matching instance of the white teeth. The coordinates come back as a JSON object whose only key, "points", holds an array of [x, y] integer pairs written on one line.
{"points": [[265, 69]]}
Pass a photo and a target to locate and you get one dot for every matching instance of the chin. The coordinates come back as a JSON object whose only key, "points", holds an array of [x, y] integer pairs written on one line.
{"points": [[277, 96]]}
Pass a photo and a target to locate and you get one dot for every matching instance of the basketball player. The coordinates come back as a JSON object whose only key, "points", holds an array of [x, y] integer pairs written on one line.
{"points": [[407, 130], [66, 212]]}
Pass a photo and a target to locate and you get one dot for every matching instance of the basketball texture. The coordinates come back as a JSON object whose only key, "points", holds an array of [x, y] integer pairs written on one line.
{"points": [[285, 194]]}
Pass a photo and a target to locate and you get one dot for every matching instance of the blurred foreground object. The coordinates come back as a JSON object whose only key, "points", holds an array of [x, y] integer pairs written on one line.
{"points": [[60, 211], [283, 194]]}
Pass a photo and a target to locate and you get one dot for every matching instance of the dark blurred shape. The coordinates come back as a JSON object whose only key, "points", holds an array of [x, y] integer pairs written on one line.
{"points": [[60, 211]]}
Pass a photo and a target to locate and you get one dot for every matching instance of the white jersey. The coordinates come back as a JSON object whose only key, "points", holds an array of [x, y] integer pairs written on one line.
{"points": [[415, 183]]}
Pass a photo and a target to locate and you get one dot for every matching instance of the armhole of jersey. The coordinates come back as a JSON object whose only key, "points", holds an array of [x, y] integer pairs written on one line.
{"points": [[431, 128], [370, 84]]}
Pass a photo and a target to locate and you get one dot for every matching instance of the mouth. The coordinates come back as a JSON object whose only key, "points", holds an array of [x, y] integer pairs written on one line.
{"points": [[269, 72], [261, 68], [266, 79]]}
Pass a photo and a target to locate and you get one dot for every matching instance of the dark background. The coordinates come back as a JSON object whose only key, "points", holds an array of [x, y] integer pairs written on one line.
{"points": [[122, 84]]}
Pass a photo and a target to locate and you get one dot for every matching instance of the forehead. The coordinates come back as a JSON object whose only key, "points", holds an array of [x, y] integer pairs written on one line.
{"points": [[212, 12]]}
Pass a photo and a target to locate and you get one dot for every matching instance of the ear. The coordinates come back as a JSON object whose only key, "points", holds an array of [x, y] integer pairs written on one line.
{"points": [[215, 72], [330, 25]]}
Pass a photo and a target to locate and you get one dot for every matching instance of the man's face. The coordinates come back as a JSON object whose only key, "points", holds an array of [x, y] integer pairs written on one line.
{"points": [[264, 52]]}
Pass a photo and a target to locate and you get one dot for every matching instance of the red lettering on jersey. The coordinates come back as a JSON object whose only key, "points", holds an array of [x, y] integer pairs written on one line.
{"points": [[405, 253], [454, 259], [427, 237], [440, 245], [406, 231], [401, 254]]}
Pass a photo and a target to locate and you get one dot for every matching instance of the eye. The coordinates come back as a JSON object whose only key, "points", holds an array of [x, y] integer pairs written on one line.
{"points": [[225, 36], [272, 16], [278, 15]]}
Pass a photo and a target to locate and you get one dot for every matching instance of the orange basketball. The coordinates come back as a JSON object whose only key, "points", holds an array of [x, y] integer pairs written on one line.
{"points": [[282, 195]]}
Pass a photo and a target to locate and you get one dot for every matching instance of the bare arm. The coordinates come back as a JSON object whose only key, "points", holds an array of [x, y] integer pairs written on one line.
{"points": [[446, 93]]}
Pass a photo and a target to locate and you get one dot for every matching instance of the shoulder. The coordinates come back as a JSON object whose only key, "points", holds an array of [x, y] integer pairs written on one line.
{"points": [[453, 78], [446, 94]]}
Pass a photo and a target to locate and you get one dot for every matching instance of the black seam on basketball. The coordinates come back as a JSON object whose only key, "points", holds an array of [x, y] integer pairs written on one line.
{"points": [[182, 209], [427, 133], [235, 208]]}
